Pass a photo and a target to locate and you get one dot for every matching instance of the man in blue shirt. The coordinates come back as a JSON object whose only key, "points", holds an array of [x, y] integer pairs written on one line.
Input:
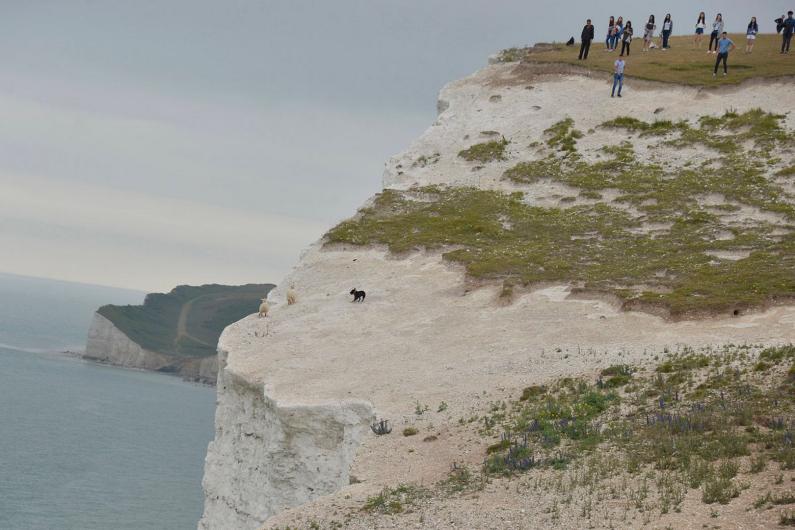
{"points": [[787, 30], [725, 45]]}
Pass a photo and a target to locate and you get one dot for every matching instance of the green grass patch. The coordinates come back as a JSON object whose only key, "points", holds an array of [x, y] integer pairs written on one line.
{"points": [[486, 151], [563, 136], [601, 247]]}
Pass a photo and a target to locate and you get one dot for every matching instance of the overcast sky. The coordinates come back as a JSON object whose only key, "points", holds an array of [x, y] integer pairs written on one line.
{"points": [[151, 143]]}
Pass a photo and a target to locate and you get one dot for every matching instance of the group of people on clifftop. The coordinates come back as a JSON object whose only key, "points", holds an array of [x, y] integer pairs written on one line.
{"points": [[719, 42]]}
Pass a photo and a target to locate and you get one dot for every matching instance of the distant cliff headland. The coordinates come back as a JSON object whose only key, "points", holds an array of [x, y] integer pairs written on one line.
{"points": [[175, 332]]}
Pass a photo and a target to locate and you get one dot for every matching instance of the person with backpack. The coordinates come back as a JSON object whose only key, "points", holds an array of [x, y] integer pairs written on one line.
{"points": [[586, 37], [667, 29], [750, 35], [626, 38], [725, 45], [618, 76], [717, 31], [787, 31], [700, 25], [648, 34]]}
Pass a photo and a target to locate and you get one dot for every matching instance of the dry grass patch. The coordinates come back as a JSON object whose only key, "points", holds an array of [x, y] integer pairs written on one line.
{"points": [[682, 64]]}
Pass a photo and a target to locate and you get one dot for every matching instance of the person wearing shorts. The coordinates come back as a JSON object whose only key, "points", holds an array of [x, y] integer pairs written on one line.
{"points": [[700, 25], [750, 35]]}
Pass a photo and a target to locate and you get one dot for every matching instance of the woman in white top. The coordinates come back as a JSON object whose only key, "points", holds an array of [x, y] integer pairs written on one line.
{"points": [[700, 25], [667, 29], [648, 34], [750, 35]]}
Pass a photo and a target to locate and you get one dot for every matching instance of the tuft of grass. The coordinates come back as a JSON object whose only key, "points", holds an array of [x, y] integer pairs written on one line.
{"points": [[656, 128], [395, 500], [563, 136], [720, 490], [410, 431], [486, 151], [533, 392]]}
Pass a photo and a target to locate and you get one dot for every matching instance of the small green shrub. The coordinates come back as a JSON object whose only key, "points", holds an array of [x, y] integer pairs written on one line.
{"points": [[720, 490], [486, 151]]}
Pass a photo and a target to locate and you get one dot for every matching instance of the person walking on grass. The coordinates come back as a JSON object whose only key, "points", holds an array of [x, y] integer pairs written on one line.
{"points": [[618, 76], [626, 38], [725, 45], [717, 31], [611, 24], [586, 37], [667, 29], [787, 30], [700, 25], [648, 34], [750, 35]]}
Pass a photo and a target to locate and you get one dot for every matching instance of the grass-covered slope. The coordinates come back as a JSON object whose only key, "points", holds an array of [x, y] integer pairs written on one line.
{"points": [[632, 447], [682, 64], [187, 321], [692, 235]]}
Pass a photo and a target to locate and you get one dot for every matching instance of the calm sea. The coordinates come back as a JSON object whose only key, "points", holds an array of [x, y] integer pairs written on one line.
{"points": [[84, 446]]}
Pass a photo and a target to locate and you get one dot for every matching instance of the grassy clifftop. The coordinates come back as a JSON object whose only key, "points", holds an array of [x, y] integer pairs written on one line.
{"points": [[187, 321], [682, 64]]}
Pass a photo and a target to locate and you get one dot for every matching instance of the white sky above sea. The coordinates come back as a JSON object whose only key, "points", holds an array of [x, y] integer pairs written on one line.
{"points": [[153, 143]]}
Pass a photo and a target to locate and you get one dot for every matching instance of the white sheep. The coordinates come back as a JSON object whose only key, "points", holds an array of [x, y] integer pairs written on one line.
{"points": [[292, 296], [264, 308]]}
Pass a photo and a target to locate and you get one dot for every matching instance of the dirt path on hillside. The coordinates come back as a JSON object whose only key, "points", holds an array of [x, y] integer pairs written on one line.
{"points": [[182, 322]]}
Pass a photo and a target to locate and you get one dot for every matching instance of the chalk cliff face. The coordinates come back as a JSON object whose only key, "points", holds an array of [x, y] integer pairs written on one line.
{"points": [[297, 452], [297, 390], [106, 343]]}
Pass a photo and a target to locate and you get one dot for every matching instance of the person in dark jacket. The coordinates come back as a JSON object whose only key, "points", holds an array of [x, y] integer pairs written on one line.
{"points": [[586, 37], [780, 23], [787, 31], [626, 38]]}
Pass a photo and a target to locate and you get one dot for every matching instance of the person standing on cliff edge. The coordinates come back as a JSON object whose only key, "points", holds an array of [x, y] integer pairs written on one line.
{"points": [[586, 37], [618, 76], [725, 45]]}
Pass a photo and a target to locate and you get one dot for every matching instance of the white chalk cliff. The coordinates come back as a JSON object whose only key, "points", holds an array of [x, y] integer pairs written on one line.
{"points": [[297, 390], [107, 344]]}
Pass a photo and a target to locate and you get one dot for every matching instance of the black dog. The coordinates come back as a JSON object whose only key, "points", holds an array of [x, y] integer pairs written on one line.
{"points": [[358, 296]]}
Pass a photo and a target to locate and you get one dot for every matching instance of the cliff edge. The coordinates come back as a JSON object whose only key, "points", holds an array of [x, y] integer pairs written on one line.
{"points": [[483, 262]]}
